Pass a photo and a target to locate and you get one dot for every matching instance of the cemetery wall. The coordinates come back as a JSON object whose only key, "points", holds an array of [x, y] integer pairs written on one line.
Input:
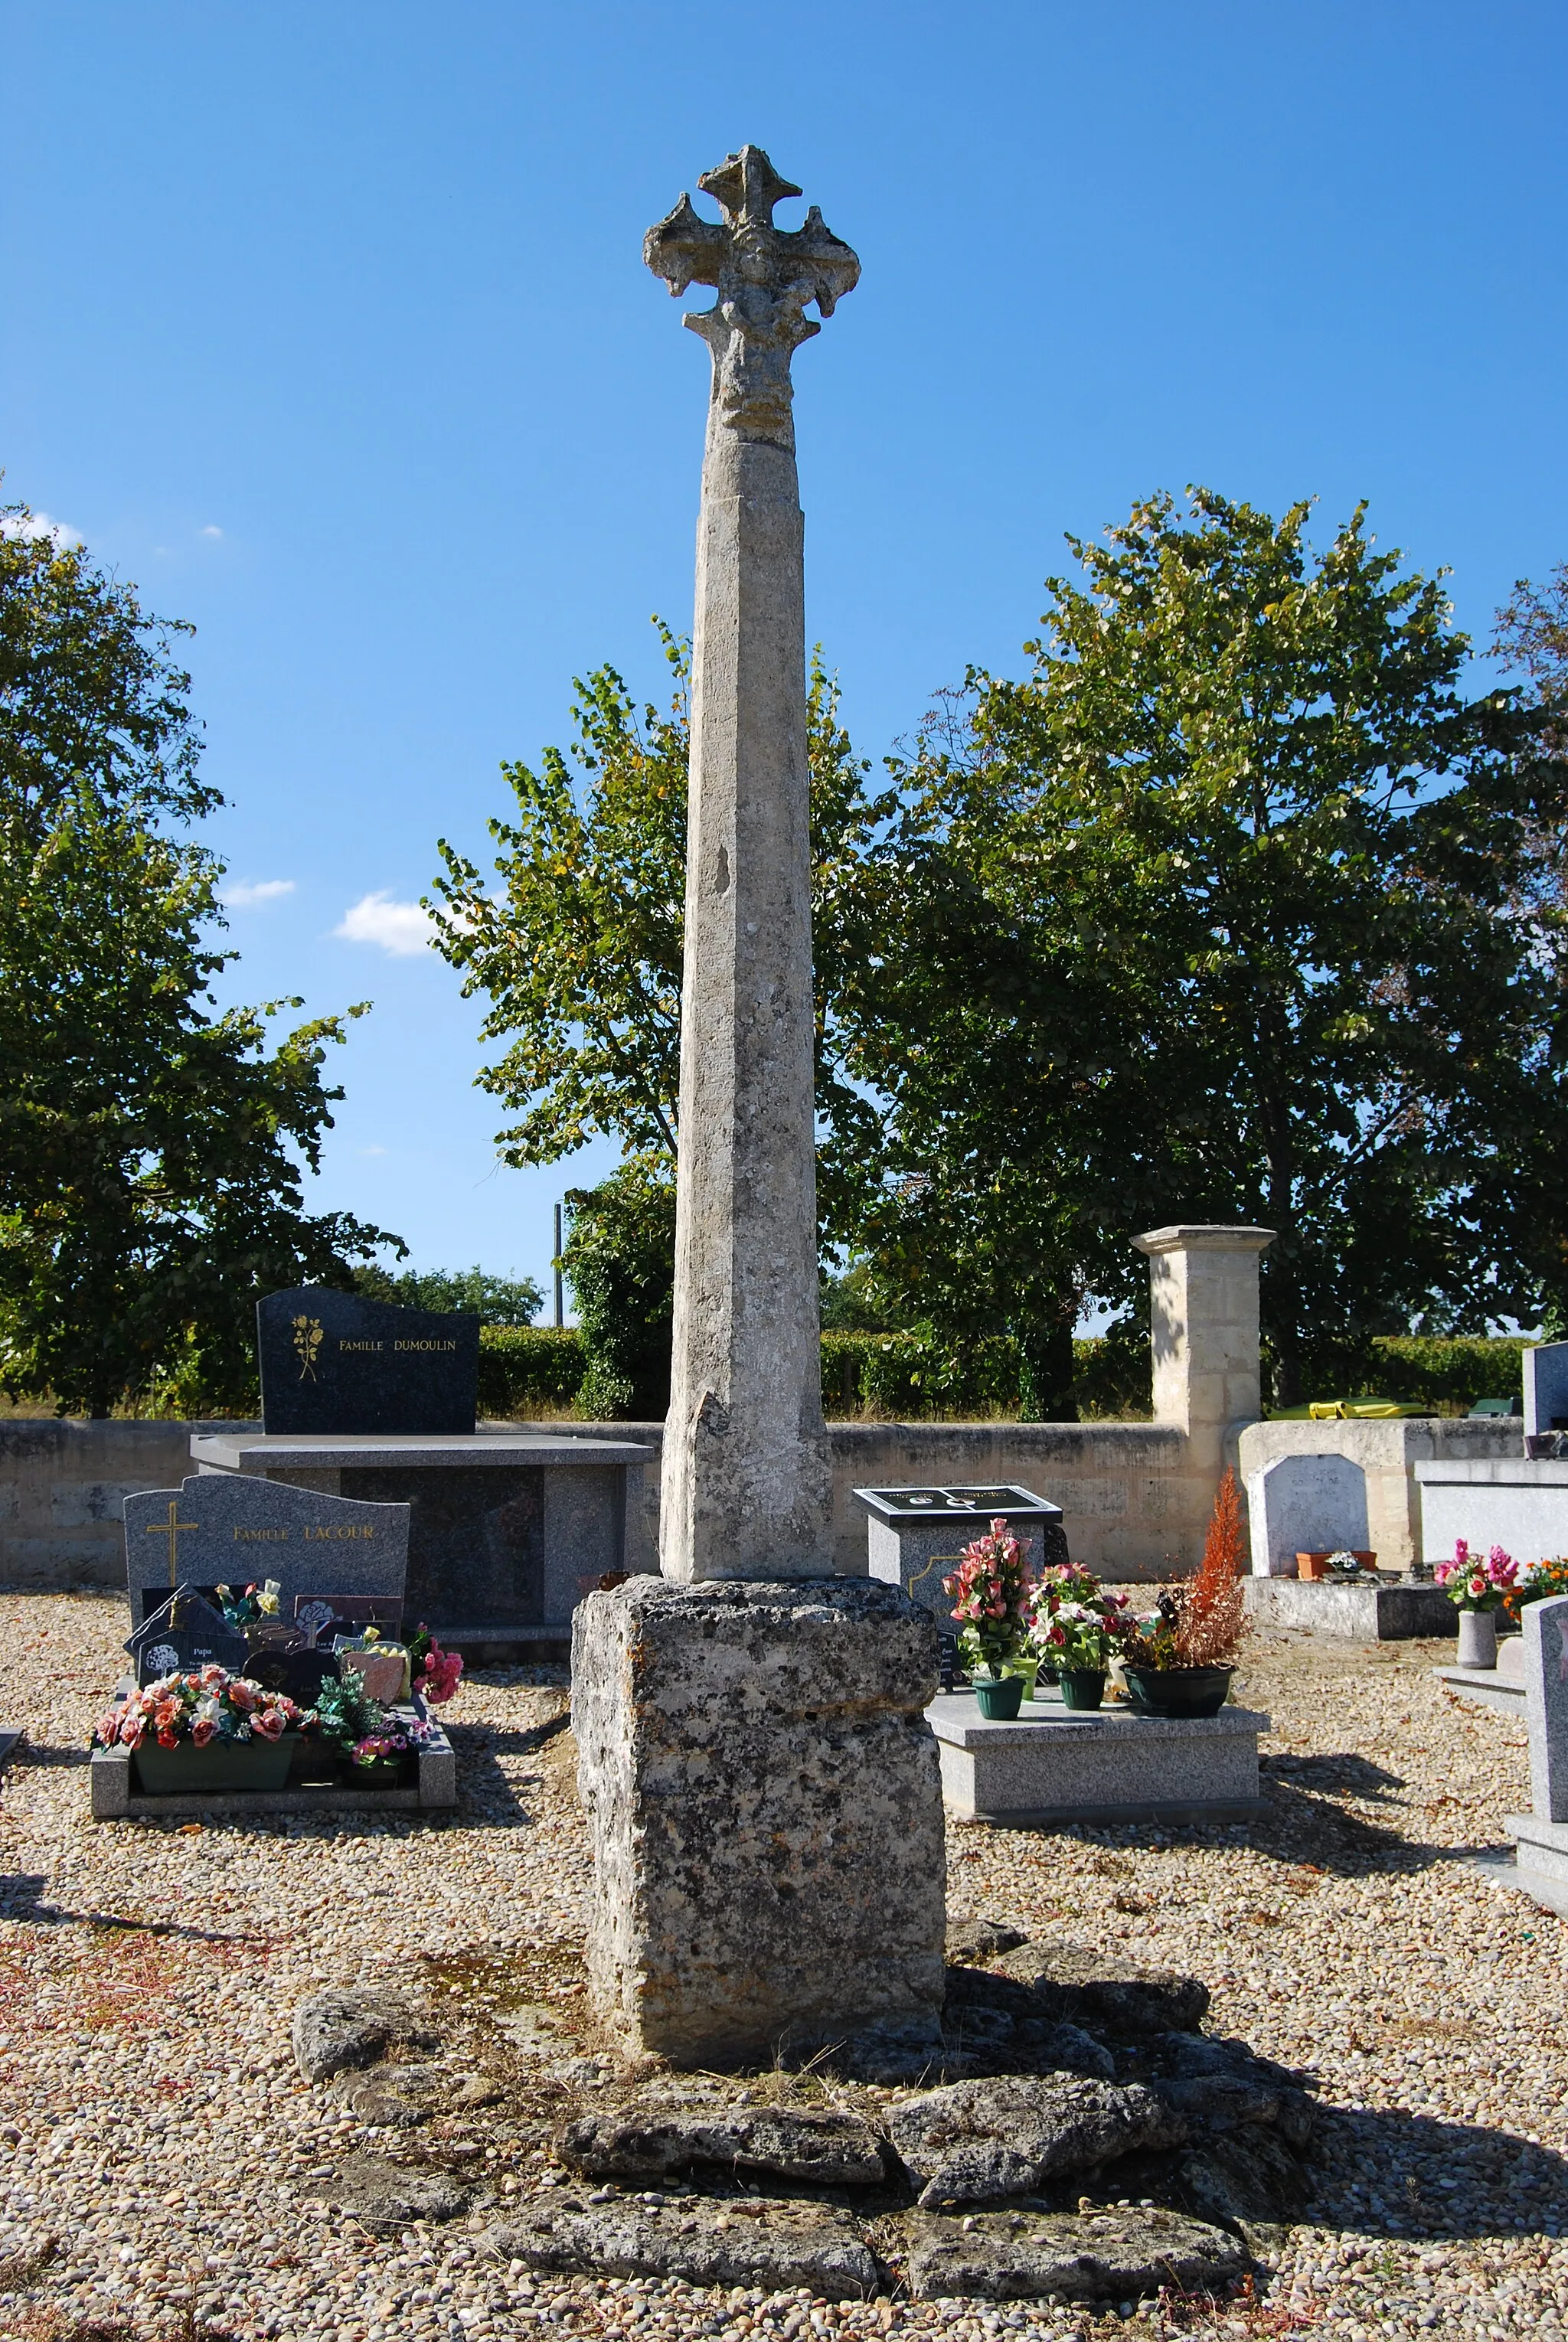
{"points": [[62, 1483], [1133, 1503]]}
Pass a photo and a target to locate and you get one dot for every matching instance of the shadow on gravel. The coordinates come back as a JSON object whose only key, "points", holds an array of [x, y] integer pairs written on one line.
{"points": [[1391, 2172], [488, 1793]]}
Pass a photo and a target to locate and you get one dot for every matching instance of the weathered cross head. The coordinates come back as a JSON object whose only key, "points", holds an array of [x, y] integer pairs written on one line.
{"points": [[764, 276]]}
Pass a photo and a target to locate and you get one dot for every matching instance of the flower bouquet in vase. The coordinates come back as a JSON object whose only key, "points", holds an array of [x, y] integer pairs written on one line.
{"points": [[1076, 1626], [203, 1733], [1478, 1589], [1182, 1657], [989, 1591]]}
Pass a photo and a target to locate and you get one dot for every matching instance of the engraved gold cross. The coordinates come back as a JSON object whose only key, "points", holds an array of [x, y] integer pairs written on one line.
{"points": [[171, 1528]]}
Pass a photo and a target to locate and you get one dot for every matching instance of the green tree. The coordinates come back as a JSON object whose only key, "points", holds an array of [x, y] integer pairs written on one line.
{"points": [[619, 1257], [495, 1300], [579, 950], [1218, 915], [148, 1192]]}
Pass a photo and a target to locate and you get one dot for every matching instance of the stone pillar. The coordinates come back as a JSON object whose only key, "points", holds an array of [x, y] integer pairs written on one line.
{"points": [[1204, 1329], [762, 1790]]}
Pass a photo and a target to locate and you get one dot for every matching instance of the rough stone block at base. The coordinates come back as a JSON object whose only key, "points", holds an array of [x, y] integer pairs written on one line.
{"points": [[1359, 1614], [1053, 1765], [766, 1812]]}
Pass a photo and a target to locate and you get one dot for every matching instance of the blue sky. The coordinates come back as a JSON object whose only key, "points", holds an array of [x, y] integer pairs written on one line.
{"points": [[326, 325]]}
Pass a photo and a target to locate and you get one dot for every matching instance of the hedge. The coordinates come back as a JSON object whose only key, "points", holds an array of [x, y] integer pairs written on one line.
{"points": [[525, 1370]]}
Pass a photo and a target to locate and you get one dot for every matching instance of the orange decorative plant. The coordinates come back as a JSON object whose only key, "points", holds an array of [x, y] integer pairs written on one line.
{"points": [[1211, 1611]]}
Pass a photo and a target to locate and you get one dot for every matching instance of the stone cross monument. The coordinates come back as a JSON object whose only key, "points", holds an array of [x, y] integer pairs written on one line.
{"points": [[761, 1788], [747, 1485]]}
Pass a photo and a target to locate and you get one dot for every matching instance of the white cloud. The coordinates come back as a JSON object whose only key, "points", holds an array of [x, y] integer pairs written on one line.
{"points": [[373, 1150], [243, 895], [39, 524], [212, 530], [399, 927]]}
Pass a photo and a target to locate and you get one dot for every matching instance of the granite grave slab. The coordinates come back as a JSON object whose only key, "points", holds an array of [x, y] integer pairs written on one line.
{"points": [[508, 1529], [1540, 1867], [335, 1362], [231, 1530], [1545, 1388]]}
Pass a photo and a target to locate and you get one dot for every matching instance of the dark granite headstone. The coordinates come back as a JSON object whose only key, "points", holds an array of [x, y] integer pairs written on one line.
{"points": [[225, 1528], [333, 1362], [184, 1632]]}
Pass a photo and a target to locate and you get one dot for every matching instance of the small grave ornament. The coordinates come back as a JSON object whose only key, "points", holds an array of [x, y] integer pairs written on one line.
{"points": [[282, 1657], [184, 1633]]}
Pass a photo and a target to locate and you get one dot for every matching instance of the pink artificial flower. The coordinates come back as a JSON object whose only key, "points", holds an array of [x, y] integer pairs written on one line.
{"points": [[1461, 1552], [167, 1739], [202, 1730], [268, 1723], [108, 1728], [166, 1712], [213, 1674], [243, 1694]]}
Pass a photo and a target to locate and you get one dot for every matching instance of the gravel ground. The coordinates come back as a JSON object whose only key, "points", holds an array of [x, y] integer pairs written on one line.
{"points": [[164, 2163]]}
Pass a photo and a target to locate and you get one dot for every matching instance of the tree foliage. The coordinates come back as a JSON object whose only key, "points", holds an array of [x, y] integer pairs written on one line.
{"points": [[619, 1257], [579, 950], [150, 1147], [1216, 915], [495, 1300]]}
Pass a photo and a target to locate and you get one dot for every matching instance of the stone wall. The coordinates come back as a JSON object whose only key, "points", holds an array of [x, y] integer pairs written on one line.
{"points": [[1311, 1486], [1136, 1496], [61, 1488]]}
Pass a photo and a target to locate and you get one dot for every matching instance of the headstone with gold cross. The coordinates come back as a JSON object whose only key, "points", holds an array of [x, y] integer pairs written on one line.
{"points": [[225, 1528]]}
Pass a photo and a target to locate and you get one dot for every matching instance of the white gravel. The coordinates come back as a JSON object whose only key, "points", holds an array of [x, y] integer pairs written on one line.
{"points": [[162, 2159]]}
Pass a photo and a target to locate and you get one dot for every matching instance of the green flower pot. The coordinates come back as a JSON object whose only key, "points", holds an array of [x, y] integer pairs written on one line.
{"points": [[1178, 1691], [221, 1767], [1000, 1698], [1083, 1686]]}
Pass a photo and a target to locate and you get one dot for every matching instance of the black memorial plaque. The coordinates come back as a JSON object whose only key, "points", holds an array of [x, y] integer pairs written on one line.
{"points": [[184, 1633], [333, 1362]]}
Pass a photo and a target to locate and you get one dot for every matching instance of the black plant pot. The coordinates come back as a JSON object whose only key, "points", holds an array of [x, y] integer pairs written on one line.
{"points": [[1178, 1691]]}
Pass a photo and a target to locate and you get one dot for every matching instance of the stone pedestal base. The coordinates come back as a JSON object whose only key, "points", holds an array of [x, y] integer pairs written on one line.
{"points": [[765, 1808], [1399, 1613], [1058, 1765]]}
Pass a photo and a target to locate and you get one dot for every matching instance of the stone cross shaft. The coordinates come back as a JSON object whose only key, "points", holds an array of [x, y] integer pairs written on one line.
{"points": [[747, 1488]]}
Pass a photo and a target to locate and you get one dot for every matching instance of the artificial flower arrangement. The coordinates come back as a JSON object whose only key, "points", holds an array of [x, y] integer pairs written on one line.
{"points": [[989, 1591], [1199, 1624], [1473, 1584], [251, 1604], [1074, 1625], [1538, 1581], [436, 1673], [207, 1704], [364, 1731]]}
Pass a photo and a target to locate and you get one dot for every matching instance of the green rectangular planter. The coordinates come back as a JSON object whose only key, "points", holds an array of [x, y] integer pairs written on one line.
{"points": [[221, 1767]]}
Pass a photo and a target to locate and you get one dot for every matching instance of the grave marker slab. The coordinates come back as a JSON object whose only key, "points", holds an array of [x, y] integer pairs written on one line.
{"points": [[1547, 1388], [225, 1529], [185, 1631], [335, 1362]]}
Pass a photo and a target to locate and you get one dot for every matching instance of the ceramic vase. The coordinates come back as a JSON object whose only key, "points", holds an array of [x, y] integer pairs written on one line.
{"points": [[1477, 1638]]}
